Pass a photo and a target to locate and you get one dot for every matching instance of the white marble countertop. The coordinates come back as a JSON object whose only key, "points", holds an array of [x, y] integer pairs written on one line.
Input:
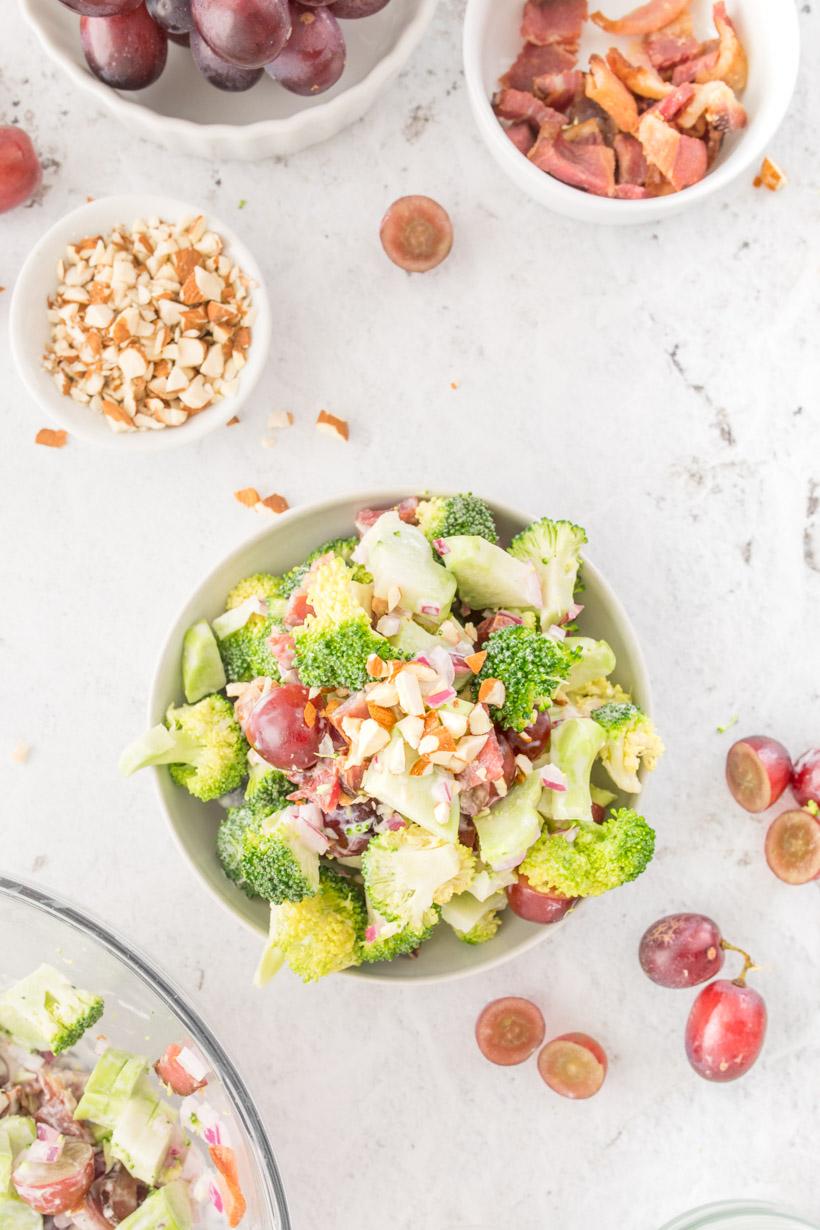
{"points": [[658, 385]]}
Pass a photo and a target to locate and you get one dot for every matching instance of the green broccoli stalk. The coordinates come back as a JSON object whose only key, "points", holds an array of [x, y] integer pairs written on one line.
{"points": [[574, 745], [407, 871], [384, 940], [333, 645], [46, 1012], [167, 1208], [474, 922], [631, 740], [260, 585], [341, 547], [591, 859], [317, 936], [443, 516], [202, 744], [554, 547], [267, 788], [265, 855], [530, 666]]}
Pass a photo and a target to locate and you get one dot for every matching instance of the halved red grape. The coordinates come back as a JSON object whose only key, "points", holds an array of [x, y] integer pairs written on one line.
{"points": [[173, 15], [348, 9], [681, 950], [527, 902], [758, 770], [725, 1030], [313, 59], [20, 170], [114, 1193], [55, 1187], [101, 8], [126, 52], [225, 76], [573, 1065], [509, 1030], [532, 740], [806, 778], [416, 233], [249, 33], [793, 846], [280, 732]]}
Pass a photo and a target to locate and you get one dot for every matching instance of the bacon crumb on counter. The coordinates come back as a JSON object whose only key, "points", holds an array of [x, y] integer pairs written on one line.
{"points": [[272, 503], [770, 176], [51, 438]]}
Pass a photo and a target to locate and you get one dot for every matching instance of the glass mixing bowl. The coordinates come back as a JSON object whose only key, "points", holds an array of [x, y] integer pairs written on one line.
{"points": [[144, 1012], [740, 1215]]}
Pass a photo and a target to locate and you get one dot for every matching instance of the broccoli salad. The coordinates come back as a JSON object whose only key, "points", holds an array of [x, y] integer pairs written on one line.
{"points": [[88, 1139], [403, 729]]}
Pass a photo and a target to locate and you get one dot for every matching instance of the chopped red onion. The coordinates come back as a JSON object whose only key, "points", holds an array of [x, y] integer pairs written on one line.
{"points": [[441, 546], [553, 778], [430, 608], [435, 699], [215, 1197]]}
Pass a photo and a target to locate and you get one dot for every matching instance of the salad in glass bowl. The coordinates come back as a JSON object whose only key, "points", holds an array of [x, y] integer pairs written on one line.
{"points": [[408, 732]]}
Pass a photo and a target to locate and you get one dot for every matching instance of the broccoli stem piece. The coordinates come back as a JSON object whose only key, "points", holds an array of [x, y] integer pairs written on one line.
{"points": [[203, 745]]}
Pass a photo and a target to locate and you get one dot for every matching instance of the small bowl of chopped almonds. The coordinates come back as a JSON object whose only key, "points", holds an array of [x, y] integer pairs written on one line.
{"points": [[136, 315]]}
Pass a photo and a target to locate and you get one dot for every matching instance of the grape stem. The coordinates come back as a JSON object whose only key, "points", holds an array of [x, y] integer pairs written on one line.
{"points": [[748, 964]]}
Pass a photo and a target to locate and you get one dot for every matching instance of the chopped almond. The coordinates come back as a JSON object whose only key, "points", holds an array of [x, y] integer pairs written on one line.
{"points": [[310, 714], [489, 690], [232, 421], [385, 717], [248, 496], [51, 438], [184, 261], [274, 503], [21, 750], [475, 661], [332, 426], [420, 767], [280, 418]]}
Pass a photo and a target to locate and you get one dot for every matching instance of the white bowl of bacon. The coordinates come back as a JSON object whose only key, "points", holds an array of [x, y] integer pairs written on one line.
{"points": [[633, 114]]}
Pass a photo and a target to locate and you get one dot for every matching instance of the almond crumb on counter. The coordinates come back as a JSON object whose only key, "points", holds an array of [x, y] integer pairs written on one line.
{"points": [[332, 426], [280, 418], [248, 496], [51, 438], [20, 752], [232, 421], [454, 384], [770, 176], [272, 503]]}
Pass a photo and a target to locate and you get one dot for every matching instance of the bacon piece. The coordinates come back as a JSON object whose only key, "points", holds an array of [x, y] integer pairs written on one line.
{"points": [[591, 167], [672, 45], [681, 160], [520, 105], [521, 135], [588, 132], [631, 192], [535, 62], [714, 142], [639, 78], [631, 162], [353, 777], [320, 784], [171, 1072], [644, 20], [487, 767], [494, 623], [716, 102], [297, 609], [669, 108], [610, 93], [553, 21], [283, 648], [354, 706], [730, 64], [367, 517], [702, 62], [559, 89]]}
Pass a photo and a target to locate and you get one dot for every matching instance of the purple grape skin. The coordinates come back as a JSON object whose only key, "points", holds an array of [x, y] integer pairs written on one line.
{"points": [[347, 10], [681, 950], [173, 15], [219, 72], [313, 58], [101, 8], [248, 33], [127, 52]]}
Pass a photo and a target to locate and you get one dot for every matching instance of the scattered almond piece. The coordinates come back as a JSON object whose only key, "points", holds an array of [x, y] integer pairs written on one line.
{"points": [[311, 713], [20, 752], [51, 438], [232, 421], [454, 384], [248, 496], [770, 176], [332, 426], [475, 661], [280, 418], [273, 503]]}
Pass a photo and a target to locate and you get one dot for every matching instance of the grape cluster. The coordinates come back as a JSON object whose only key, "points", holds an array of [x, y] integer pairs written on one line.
{"points": [[232, 42]]}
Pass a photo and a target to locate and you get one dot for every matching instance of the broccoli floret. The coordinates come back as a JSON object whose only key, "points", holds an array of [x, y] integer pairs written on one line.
{"points": [[631, 740], [474, 921], [444, 516], [267, 788], [592, 695], [385, 940], [202, 744], [46, 1012], [333, 645], [265, 855], [601, 856], [246, 653], [554, 547], [530, 666], [260, 585], [407, 871], [320, 935], [484, 930], [341, 547]]}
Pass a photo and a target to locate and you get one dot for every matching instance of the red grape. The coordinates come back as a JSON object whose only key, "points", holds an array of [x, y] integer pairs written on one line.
{"points": [[55, 1187], [219, 72], [681, 950], [173, 15], [806, 778], [127, 52], [573, 1065], [348, 9], [20, 170], [279, 731], [725, 1030], [249, 33], [416, 233], [115, 1191], [532, 740], [793, 846], [527, 902], [509, 1030], [102, 8], [758, 770], [313, 59]]}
